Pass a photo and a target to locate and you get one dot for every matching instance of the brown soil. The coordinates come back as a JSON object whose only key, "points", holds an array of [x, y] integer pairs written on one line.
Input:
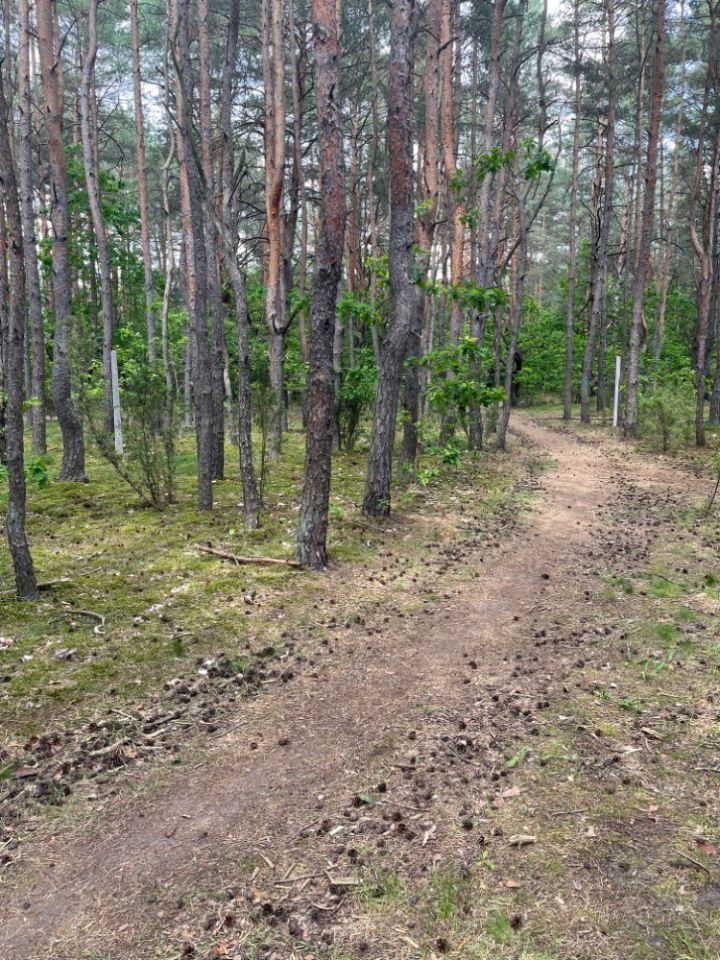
{"points": [[134, 874]]}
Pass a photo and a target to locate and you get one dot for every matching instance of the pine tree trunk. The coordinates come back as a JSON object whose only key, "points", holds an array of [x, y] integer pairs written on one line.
{"points": [[603, 212], [88, 135], [425, 232], [273, 59], [403, 292], [73, 463], [142, 185], [192, 220], [13, 351], [665, 258], [573, 232], [642, 272], [27, 202], [313, 519], [251, 500], [217, 332], [487, 248], [449, 148]]}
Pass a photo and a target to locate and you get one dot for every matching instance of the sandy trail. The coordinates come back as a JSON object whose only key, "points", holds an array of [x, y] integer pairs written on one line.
{"points": [[97, 888]]}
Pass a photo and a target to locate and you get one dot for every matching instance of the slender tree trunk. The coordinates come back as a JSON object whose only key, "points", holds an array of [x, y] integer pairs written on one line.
{"points": [[425, 230], [32, 271], [638, 327], [604, 210], [73, 465], [665, 260], [488, 228], [298, 60], [88, 134], [195, 254], [370, 178], [519, 256], [573, 232], [217, 332], [251, 500], [313, 519], [13, 350], [449, 149], [703, 246], [142, 185], [273, 58], [403, 292]]}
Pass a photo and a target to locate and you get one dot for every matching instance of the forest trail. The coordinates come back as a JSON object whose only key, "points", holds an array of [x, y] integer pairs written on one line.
{"points": [[106, 888]]}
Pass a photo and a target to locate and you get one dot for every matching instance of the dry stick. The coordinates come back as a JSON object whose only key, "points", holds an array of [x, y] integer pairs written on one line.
{"points": [[223, 555], [712, 498], [700, 866]]}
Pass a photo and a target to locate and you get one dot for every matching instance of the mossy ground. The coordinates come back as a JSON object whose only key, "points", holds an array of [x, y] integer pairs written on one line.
{"points": [[166, 606]]}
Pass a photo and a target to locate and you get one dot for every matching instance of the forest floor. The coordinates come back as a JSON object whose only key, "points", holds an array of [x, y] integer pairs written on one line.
{"points": [[493, 730]]}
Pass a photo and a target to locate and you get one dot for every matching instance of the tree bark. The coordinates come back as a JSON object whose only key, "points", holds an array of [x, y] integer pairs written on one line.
{"points": [[449, 148], [73, 462], [88, 135], [251, 500], [703, 245], [217, 332], [142, 186], [195, 254], [313, 519], [599, 274], [425, 229], [273, 59], [642, 272], [27, 202], [13, 357], [572, 229], [665, 258], [403, 292]]}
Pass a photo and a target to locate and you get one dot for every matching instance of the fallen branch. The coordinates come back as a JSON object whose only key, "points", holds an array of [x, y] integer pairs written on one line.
{"points": [[42, 587], [240, 561], [83, 613], [712, 498]]}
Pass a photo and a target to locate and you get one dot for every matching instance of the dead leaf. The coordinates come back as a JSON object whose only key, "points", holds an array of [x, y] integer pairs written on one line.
{"points": [[500, 799], [24, 772]]}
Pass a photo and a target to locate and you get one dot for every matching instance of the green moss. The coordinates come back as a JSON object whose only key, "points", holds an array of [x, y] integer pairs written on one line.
{"points": [[164, 604]]}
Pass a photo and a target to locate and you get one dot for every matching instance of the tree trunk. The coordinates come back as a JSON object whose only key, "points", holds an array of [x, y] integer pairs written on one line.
{"points": [[217, 332], [370, 178], [401, 259], [13, 358], [88, 134], [142, 185], [313, 519], [73, 464], [449, 148], [32, 272], [195, 255], [665, 259], [638, 327], [604, 211], [273, 58], [703, 246], [251, 500], [425, 230], [573, 232]]}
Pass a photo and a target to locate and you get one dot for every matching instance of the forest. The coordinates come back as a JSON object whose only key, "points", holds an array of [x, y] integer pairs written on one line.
{"points": [[360, 472]]}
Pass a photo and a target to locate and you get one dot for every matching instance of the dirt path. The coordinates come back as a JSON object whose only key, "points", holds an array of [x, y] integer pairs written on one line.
{"points": [[297, 753]]}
